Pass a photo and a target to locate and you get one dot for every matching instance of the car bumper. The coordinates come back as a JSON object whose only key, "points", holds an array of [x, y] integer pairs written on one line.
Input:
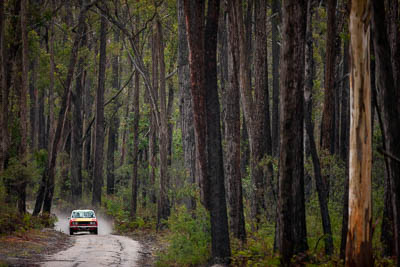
{"points": [[82, 228]]}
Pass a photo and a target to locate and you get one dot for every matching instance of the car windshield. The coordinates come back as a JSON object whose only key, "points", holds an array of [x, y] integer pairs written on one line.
{"points": [[83, 214]]}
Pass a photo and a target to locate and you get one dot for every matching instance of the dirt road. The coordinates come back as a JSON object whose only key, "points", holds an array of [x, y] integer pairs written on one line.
{"points": [[97, 250], [104, 249]]}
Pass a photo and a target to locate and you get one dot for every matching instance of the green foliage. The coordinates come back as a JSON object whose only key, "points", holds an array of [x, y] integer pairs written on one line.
{"points": [[189, 238]]}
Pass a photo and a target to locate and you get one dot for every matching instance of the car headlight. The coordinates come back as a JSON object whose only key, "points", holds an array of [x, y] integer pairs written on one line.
{"points": [[93, 223], [74, 223]]}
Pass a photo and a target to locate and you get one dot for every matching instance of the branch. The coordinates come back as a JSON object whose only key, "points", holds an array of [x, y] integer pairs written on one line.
{"points": [[388, 154], [108, 102]]}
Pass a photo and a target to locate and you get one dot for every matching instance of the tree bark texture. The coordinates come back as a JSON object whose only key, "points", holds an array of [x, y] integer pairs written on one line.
{"points": [[185, 107], [275, 20], [359, 236], [202, 55], [3, 92], [292, 234], [99, 124], [388, 97], [253, 107], [327, 133], [232, 136]]}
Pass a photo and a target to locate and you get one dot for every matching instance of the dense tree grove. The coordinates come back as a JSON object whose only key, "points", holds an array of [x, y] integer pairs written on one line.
{"points": [[247, 131]]}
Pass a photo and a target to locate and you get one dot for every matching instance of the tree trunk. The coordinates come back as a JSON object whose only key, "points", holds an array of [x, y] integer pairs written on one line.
{"points": [[163, 206], [114, 122], [388, 98], [359, 236], [292, 234], [77, 131], [136, 118], [99, 125], [3, 92], [23, 112], [344, 145], [232, 137], [276, 13], [185, 107], [202, 47], [321, 187], [254, 107]]}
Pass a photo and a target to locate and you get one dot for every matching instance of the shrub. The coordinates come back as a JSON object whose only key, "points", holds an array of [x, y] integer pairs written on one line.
{"points": [[189, 238]]}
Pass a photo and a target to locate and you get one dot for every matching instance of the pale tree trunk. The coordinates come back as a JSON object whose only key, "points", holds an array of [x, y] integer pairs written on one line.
{"points": [[232, 136], [292, 227], [99, 125], [359, 236], [388, 99]]}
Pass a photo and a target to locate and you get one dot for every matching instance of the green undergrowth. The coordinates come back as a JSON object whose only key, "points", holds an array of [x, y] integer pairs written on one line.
{"points": [[188, 238], [13, 222]]}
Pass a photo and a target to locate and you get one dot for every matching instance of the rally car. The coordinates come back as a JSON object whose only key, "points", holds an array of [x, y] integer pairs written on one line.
{"points": [[83, 221]]}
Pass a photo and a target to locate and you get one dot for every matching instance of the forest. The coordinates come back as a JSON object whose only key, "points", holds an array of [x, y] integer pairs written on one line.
{"points": [[239, 132]]}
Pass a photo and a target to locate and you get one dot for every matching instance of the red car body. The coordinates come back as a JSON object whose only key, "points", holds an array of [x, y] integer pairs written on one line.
{"points": [[83, 221]]}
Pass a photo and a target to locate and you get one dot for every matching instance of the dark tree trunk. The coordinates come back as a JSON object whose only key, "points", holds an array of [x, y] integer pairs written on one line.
{"points": [[163, 205], [232, 137], [394, 40], [202, 46], [254, 106], [321, 187], [292, 234], [34, 106], [114, 122], [136, 118], [23, 112], [344, 145], [77, 131], [185, 107], [388, 101], [327, 133], [99, 125], [276, 13], [3, 92]]}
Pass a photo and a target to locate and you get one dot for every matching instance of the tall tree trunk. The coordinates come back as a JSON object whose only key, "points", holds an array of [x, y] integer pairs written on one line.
{"points": [[23, 112], [394, 40], [76, 129], [321, 187], [388, 98], [99, 125], [33, 111], [254, 107], [185, 107], [292, 234], [136, 118], [163, 206], [359, 236], [344, 145], [232, 136], [276, 13], [202, 47], [4, 93], [328, 114], [114, 121]]}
